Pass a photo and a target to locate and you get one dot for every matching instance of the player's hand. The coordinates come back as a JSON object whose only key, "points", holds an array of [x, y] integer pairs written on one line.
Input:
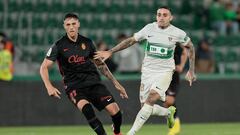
{"points": [[122, 90], [102, 55], [54, 92], [190, 76], [179, 68]]}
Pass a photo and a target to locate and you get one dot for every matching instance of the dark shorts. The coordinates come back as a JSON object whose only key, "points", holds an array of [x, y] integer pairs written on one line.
{"points": [[174, 85], [97, 94]]}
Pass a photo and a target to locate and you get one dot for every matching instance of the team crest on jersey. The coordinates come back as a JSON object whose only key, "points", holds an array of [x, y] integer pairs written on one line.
{"points": [[83, 46], [170, 38]]}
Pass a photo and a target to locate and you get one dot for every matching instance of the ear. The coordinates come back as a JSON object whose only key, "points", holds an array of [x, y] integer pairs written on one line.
{"points": [[171, 18], [79, 24], [64, 26]]}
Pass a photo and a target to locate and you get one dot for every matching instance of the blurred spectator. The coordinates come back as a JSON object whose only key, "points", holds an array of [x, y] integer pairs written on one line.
{"points": [[6, 73], [186, 7], [235, 3], [238, 14], [231, 19], [8, 43], [201, 15], [102, 46], [216, 17], [129, 60], [204, 58]]}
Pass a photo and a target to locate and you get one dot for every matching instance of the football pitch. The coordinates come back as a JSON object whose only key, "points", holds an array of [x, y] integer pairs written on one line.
{"points": [[186, 129]]}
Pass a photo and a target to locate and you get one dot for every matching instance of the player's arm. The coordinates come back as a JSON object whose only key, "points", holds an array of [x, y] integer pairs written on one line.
{"points": [[190, 76], [102, 67], [122, 45], [52, 91]]}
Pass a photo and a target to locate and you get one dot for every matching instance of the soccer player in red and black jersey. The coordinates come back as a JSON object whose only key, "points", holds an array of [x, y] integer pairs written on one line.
{"points": [[74, 55], [180, 58]]}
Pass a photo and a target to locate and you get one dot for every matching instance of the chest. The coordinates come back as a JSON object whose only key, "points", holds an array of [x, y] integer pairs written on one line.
{"points": [[162, 39], [76, 53]]}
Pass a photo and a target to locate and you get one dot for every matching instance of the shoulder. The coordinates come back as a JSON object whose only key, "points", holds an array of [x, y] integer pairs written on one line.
{"points": [[178, 31], [150, 25], [60, 41], [181, 35], [85, 39], [147, 28]]}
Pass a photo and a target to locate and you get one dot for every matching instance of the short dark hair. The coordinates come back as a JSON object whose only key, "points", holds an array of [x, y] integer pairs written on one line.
{"points": [[3, 41], [70, 15], [165, 7]]}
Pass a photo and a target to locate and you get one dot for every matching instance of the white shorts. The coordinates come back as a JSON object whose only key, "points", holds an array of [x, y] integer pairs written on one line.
{"points": [[155, 81]]}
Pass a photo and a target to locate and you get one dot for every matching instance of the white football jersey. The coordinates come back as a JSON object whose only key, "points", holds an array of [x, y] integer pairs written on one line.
{"points": [[160, 45]]}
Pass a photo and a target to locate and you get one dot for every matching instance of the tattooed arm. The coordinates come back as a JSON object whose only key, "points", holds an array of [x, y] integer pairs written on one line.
{"points": [[102, 67], [190, 76], [191, 56], [122, 45]]}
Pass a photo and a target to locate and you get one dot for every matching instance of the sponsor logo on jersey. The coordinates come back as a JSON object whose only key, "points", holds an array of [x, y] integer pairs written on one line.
{"points": [[158, 51], [76, 59], [170, 38]]}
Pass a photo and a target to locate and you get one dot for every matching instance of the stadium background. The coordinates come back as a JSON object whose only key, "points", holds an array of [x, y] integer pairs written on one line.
{"points": [[33, 25]]}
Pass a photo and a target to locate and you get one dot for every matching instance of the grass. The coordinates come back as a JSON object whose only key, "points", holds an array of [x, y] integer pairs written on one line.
{"points": [[187, 129]]}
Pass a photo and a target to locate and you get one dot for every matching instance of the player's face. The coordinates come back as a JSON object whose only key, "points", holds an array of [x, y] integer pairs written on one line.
{"points": [[71, 25], [164, 17]]}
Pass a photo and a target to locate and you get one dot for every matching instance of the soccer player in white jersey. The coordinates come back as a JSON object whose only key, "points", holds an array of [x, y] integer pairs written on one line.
{"points": [[158, 65]]}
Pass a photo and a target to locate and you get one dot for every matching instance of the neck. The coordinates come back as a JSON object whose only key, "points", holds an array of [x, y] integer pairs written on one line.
{"points": [[72, 38], [164, 27]]}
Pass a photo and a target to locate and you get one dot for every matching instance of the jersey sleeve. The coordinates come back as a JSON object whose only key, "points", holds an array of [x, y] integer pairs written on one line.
{"points": [[142, 34], [52, 53], [183, 38], [92, 49]]}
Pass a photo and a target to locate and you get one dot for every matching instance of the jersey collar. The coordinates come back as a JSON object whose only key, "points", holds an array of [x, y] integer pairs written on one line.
{"points": [[78, 39], [156, 25]]}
